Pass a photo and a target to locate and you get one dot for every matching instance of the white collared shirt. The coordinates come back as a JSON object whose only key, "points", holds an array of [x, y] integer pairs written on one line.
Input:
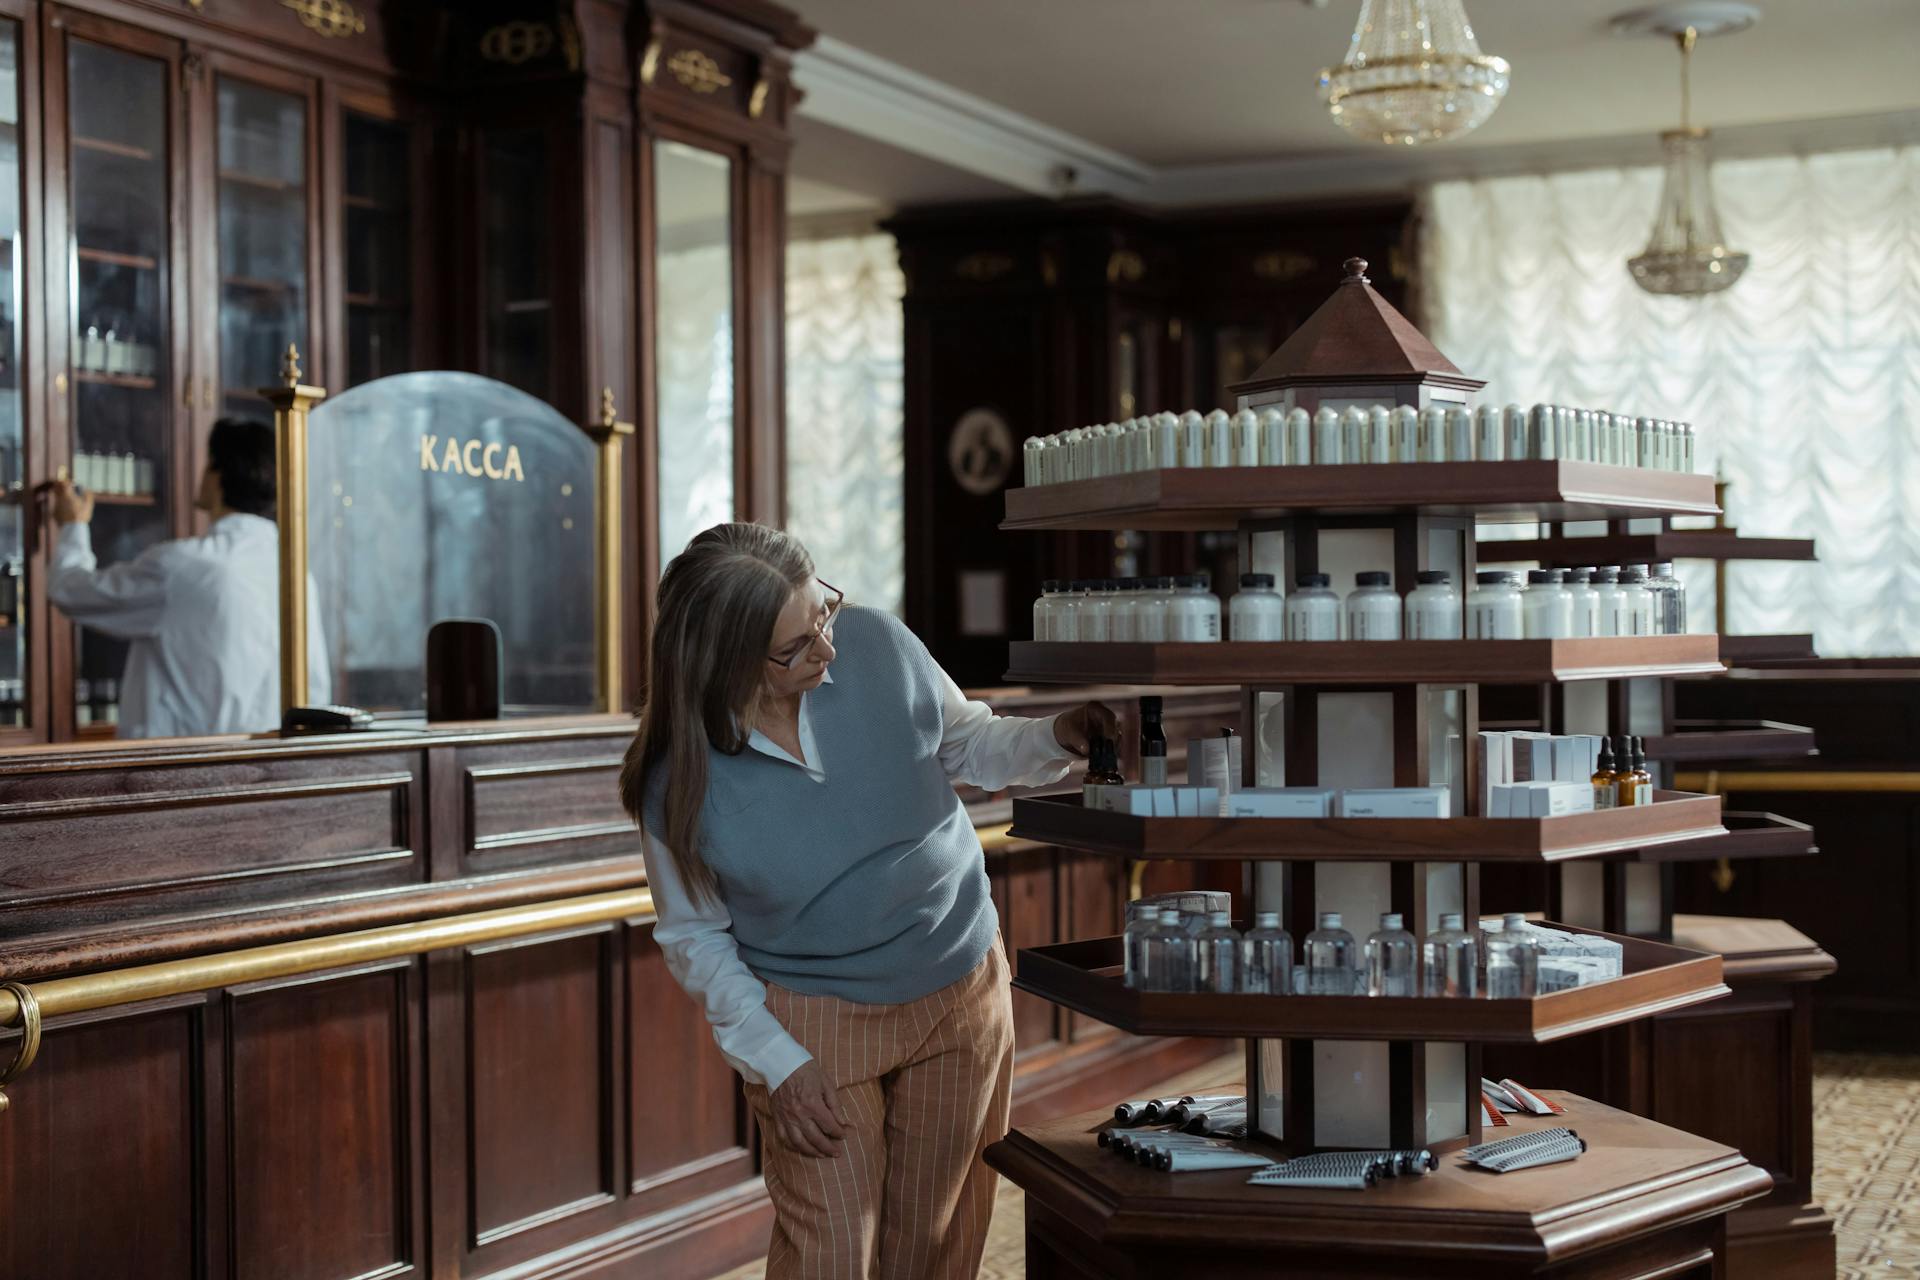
{"points": [[203, 616], [976, 747]]}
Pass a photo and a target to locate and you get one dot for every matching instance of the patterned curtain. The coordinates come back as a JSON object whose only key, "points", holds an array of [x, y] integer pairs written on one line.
{"points": [[845, 354], [1803, 378]]}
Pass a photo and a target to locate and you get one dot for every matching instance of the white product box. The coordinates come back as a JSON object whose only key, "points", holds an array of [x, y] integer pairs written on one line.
{"points": [[1557, 799], [1196, 802], [1160, 801], [1281, 802], [1134, 800], [1532, 756], [1575, 757], [1397, 802], [1215, 762], [1494, 760]]}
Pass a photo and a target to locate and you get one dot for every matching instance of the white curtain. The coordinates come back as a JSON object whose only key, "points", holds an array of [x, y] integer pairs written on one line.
{"points": [[694, 348], [1803, 378], [845, 355]]}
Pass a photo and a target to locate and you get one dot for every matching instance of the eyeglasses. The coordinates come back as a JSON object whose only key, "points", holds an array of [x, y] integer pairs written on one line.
{"points": [[824, 629]]}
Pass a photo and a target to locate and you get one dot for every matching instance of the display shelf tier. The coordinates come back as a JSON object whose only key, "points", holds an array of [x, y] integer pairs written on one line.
{"points": [[1085, 976], [1675, 817], [1785, 647], [1645, 548], [1202, 498], [1731, 740], [1749, 834], [1364, 662]]}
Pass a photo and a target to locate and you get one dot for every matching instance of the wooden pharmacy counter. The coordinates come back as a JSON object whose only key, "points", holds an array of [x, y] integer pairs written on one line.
{"points": [[545, 1103], [1644, 1201]]}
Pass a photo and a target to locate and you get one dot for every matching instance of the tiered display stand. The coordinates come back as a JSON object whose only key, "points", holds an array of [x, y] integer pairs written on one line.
{"points": [[1357, 1072]]}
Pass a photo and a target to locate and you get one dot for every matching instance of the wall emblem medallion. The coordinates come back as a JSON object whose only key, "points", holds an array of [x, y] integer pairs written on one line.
{"points": [[980, 452]]}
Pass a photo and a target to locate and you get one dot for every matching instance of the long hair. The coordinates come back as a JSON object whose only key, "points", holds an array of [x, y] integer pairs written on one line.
{"points": [[706, 674]]}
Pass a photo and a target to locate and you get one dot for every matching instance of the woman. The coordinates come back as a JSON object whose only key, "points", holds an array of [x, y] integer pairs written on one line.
{"points": [[821, 892]]}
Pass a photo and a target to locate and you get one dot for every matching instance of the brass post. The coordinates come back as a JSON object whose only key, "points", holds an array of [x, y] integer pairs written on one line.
{"points": [[609, 433], [291, 402]]}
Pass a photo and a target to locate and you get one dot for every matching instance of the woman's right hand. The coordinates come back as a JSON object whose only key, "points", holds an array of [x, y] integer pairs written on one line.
{"points": [[806, 1112]]}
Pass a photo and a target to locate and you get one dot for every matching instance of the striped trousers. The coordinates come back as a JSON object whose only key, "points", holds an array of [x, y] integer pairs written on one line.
{"points": [[923, 1090]]}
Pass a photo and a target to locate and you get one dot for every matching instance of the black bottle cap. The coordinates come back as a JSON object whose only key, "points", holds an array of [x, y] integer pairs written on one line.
{"points": [[1579, 575], [1150, 705], [1633, 573], [1189, 580], [1373, 578], [1495, 575], [1608, 574], [1051, 584], [1077, 584], [1256, 579], [1539, 575], [1312, 580], [1432, 577], [1605, 760]]}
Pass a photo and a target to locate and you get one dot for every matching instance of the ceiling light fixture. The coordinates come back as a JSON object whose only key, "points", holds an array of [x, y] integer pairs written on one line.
{"points": [[1414, 73], [1686, 254]]}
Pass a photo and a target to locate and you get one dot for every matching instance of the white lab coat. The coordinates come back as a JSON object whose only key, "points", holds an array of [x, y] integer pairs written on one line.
{"points": [[203, 615]]}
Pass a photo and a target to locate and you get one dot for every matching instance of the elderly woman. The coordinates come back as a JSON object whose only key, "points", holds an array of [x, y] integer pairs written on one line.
{"points": [[822, 894]]}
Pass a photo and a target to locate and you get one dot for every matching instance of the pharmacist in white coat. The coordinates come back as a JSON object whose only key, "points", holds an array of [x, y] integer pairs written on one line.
{"points": [[202, 614]]}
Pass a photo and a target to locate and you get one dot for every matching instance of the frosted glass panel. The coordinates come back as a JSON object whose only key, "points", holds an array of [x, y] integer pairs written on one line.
{"points": [[693, 279]]}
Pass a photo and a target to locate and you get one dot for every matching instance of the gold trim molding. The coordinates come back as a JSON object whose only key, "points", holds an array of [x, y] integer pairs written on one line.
{"points": [[757, 104], [1720, 782], [330, 18], [292, 401], [650, 62], [1124, 266], [516, 42], [698, 72]]}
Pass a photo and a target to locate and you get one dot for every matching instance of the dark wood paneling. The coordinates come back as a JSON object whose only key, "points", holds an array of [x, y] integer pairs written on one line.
{"points": [[687, 1132], [99, 1171], [1694, 1091], [1025, 891], [319, 1116], [527, 809], [539, 1081]]}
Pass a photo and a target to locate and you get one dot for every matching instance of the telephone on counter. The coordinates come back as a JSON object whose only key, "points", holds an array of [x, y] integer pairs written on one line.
{"points": [[327, 719]]}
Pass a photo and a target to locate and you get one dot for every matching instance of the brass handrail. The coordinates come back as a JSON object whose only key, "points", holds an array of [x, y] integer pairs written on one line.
{"points": [[59, 996], [1722, 782]]}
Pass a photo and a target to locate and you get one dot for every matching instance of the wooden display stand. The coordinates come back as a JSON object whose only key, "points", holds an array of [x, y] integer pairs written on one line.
{"points": [[1667, 1069], [1357, 1072]]}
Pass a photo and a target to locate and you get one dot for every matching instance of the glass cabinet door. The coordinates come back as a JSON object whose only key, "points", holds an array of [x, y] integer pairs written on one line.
{"points": [[519, 262], [378, 176], [13, 580], [693, 343], [121, 413], [262, 185]]}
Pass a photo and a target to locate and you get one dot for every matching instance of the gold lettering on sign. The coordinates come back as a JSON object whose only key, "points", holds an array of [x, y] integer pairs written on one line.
{"points": [[516, 42], [471, 458], [1282, 265], [697, 71], [329, 17]]}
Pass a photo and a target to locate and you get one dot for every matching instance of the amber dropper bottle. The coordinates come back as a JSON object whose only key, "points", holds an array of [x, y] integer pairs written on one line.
{"points": [[1604, 779]]}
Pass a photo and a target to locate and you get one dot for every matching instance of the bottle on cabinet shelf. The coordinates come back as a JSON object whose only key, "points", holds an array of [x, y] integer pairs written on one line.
{"points": [[1141, 919], [1166, 955], [1150, 610], [1193, 612], [1513, 960], [1390, 951], [1153, 742], [1585, 602], [1614, 620], [1546, 606], [1046, 609], [1433, 607], [1493, 607], [1313, 610], [1267, 965], [1636, 602], [1606, 782], [1450, 959], [1330, 957], [1635, 779], [1373, 607], [1257, 611], [1094, 620], [1216, 956], [1669, 601]]}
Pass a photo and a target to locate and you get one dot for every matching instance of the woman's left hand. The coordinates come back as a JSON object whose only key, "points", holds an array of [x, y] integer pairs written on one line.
{"points": [[1073, 729]]}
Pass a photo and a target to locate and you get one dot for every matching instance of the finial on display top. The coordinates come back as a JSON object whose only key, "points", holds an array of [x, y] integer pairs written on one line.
{"points": [[1356, 271], [290, 366]]}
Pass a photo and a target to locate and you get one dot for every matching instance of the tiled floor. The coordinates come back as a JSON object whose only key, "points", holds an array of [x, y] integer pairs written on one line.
{"points": [[1866, 1118]]}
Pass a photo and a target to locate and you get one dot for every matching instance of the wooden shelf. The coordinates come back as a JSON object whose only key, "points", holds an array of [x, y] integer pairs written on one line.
{"points": [[132, 381], [1363, 662], [279, 186], [370, 204], [1750, 834], [125, 499], [1731, 740], [1221, 498], [1792, 647], [1645, 548], [1674, 817], [112, 258], [107, 147], [255, 284], [1085, 977], [376, 302]]}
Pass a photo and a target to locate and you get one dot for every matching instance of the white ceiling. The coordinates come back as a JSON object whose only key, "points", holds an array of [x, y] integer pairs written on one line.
{"points": [[1169, 84]]}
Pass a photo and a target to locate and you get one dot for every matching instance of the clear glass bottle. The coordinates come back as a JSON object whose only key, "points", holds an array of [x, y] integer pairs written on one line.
{"points": [[1513, 960], [1450, 959], [1546, 606], [1046, 608], [1216, 956], [1390, 951], [1331, 958], [1150, 610], [1669, 601], [1257, 611], [1193, 612], [1095, 622], [1586, 602], [1637, 601], [1266, 965], [1493, 606], [1313, 610], [1433, 607], [1613, 606], [1141, 918], [1066, 617], [1166, 955], [1373, 607]]}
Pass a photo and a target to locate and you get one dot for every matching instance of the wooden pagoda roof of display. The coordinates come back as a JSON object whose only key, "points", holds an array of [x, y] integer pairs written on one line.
{"points": [[1355, 336]]}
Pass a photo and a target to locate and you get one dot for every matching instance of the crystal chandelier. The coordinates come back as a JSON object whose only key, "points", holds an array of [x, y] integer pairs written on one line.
{"points": [[1686, 254], [1414, 73]]}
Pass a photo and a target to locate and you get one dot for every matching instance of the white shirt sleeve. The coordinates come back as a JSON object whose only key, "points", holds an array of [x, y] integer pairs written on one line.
{"points": [[994, 752], [704, 959], [124, 600]]}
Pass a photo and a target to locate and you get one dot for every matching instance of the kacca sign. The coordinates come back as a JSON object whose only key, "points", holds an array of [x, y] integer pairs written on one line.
{"points": [[471, 458]]}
